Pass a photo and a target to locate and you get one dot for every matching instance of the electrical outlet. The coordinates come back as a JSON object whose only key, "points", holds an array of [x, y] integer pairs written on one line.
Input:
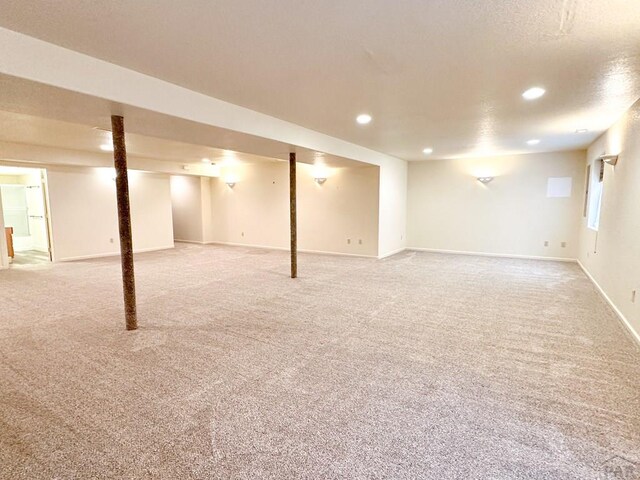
{"points": [[348, 241], [563, 244], [242, 234], [360, 242], [633, 296], [111, 240], [546, 243]]}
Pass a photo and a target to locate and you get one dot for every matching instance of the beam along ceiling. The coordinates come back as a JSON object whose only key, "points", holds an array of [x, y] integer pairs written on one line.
{"points": [[36, 114], [445, 74]]}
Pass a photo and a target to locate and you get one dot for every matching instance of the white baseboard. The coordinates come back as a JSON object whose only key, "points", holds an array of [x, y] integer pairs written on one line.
{"points": [[112, 254], [340, 254], [390, 254], [196, 242], [484, 254], [285, 249], [621, 317]]}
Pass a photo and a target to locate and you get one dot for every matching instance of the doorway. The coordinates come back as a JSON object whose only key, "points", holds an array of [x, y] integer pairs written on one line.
{"points": [[24, 209]]}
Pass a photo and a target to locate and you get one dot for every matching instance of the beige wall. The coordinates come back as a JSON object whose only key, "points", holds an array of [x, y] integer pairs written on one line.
{"points": [[448, 209], [392, 233], [256, 211], [186, 205], [344, 207], [4, 255], [83, 209], [612, 254]]}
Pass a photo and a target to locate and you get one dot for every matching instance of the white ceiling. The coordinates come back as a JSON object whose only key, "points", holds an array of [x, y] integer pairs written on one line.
{"points": [[46, 132], [441, 73], [36, 114], [16, 171], [20, 128]]}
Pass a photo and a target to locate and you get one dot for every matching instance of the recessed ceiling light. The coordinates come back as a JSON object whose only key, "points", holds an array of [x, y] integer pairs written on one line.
{"points": [[106, 147], [533, 141], [582, 130], [363, 119], [206, 160], [533, 93], [427, 150]]}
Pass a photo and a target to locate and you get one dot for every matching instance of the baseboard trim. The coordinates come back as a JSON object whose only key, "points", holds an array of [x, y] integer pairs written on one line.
{"points": [[392, 253], [196, 242], [627, 324], [284, 249], [339, 254], [497, 255], [116, 254]]}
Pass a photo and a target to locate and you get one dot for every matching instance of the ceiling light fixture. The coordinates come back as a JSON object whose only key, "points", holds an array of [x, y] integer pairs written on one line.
{"points": [[582, 130], [363, 119], [106, 147], [533, 93], [206, 160], [533, 141], [427, 150]]}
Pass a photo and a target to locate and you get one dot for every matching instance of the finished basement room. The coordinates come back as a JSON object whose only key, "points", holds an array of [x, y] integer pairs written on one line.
{"points": [[320, 240]]}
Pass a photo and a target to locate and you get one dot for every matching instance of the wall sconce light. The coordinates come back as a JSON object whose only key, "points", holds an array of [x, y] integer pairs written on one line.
{"points": [[320, 174], [484, 180], [230, 180], [610, 159]]}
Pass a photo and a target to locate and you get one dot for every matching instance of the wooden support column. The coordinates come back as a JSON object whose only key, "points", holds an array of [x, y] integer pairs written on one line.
{"points": [[124, 221], [293, 221]]}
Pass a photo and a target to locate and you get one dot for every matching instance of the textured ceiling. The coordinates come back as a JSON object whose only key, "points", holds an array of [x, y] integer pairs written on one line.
{"points": [[36, 114], [441, 73]]}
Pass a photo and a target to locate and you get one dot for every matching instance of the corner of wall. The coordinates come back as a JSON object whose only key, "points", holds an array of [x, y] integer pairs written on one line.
{"points": [[392, 208]]}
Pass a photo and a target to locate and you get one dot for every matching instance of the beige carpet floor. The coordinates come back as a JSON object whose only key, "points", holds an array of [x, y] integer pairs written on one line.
{"points": [[421, 365]]}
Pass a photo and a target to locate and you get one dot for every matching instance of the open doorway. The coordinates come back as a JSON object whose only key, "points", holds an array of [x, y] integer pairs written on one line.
{"points": [[23, 200]]}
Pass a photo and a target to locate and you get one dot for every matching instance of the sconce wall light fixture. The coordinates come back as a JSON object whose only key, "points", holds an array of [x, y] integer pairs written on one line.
{"points": [[610, 159], [230, 180], [484, 179], [320, 173]]}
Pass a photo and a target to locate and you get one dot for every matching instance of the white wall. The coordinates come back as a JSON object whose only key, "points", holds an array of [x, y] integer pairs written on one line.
{"points": [[448, 209], [392, 230], [344, 208], [256, 211], [612, 254], [186, 203], [4, 255], [84, 219]]}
